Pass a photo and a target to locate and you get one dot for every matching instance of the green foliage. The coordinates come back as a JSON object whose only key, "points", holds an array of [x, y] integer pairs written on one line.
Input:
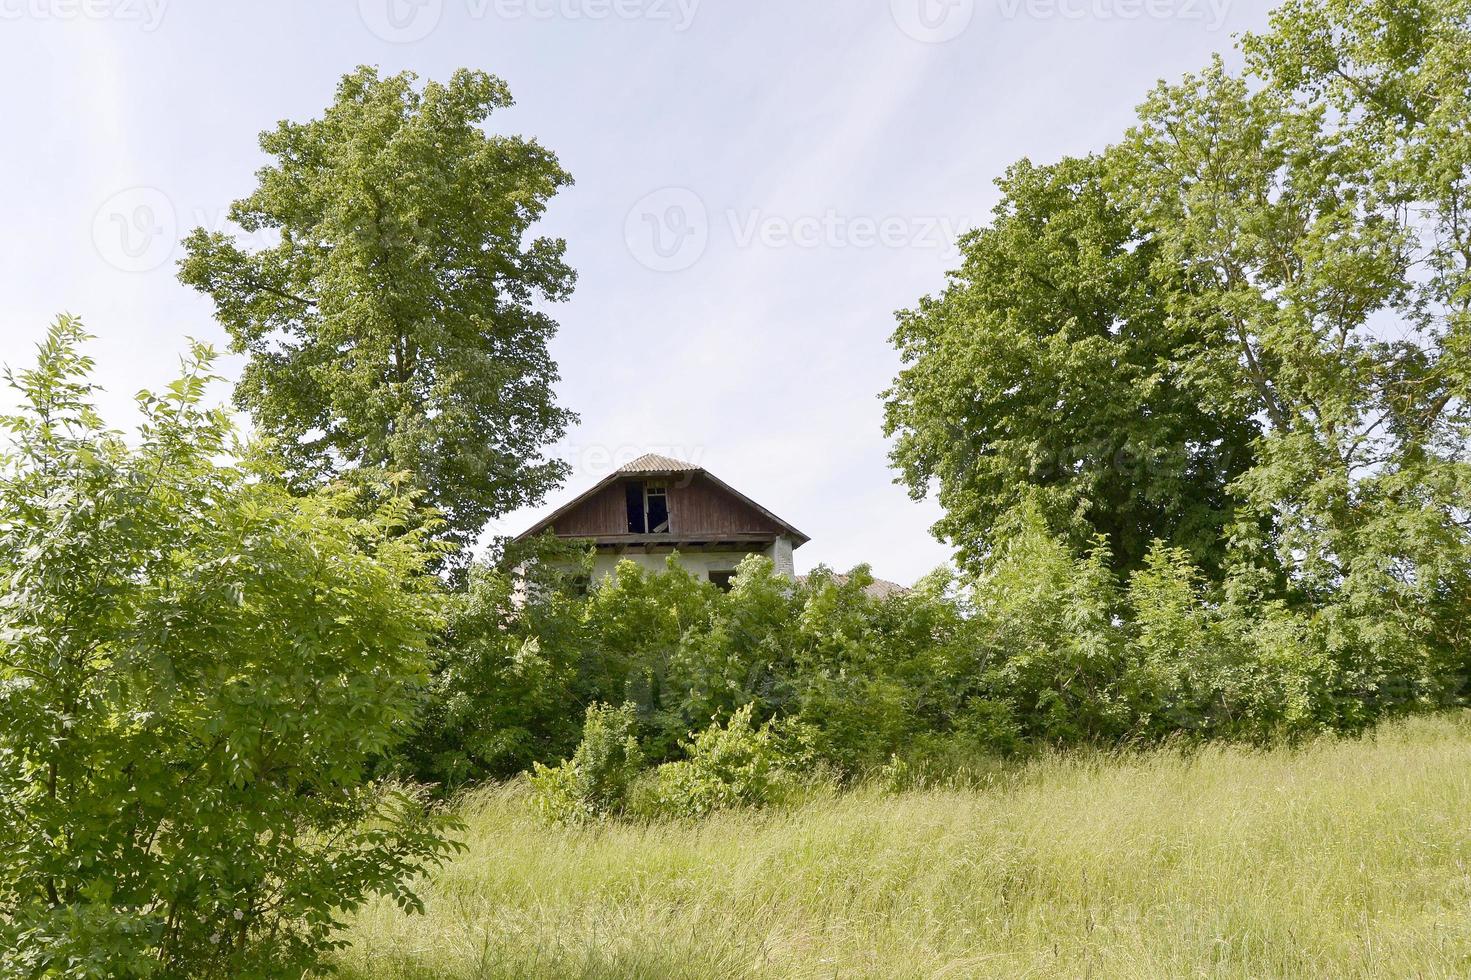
{"points": [[639, 624], [1047, 647], [1050, 373], [396, 326], [726, 767], [847, 678], [196, 670], [595, 782], [1260, 296], [1051, 651], [506, 671]]}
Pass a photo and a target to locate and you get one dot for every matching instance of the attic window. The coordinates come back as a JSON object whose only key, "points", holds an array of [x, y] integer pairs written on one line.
{"points": [[648, 508]]}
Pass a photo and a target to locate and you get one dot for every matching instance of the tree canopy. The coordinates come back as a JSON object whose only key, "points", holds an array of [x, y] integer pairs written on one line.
{"points": [[1260, 293], [395, 322], [1052, 370]]}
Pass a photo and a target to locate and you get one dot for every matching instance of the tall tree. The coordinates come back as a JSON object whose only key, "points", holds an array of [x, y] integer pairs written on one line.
{"points": [[1050, 370], [1288, 250], [393, 323]]}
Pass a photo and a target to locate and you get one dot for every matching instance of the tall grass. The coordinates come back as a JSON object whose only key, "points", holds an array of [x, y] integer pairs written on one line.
{"points": [[1340, 858]]}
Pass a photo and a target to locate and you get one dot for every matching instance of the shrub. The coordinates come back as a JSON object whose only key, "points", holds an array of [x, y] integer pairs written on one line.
{"points": [[595, 782], [196, 668], [505, 679], [1051, 649], [736, 765], [638, 622], [1046, 647]]}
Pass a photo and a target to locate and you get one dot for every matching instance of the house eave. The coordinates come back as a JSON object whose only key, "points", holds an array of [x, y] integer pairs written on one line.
{"points": [[549, 522]]}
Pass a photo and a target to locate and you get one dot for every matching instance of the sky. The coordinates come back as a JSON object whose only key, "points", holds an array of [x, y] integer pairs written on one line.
{"points": [[760, 185]]}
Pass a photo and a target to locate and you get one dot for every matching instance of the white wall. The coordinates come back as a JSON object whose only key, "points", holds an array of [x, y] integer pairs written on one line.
{"points": [[701, 563], [780, 554]]}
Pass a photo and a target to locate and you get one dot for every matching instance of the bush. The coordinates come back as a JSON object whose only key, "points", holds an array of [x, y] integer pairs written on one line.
{"points": [[639, 625], [595, 782], [1052, 651], [505, 677], [1045, 647], [196, 669], [737, 765]]}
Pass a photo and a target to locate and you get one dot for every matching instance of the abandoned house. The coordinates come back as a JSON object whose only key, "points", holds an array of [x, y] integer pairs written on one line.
{"points": [[656, 506]]}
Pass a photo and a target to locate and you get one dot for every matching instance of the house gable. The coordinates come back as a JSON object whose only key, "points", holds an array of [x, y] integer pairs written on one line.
{"points": [[701, 509], [697, 507]]}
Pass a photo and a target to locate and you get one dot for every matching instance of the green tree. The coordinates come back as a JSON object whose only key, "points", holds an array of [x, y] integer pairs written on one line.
{"points": [[1050, 372], [1297, 238], [1317, 206], [393, 326], [196, 669]]}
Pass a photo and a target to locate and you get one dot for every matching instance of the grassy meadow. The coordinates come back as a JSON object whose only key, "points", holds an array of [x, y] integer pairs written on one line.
{"points": [[1345, 858]]}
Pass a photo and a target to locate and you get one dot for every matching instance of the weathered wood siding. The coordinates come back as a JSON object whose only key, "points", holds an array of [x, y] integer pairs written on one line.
{"points": [[704, 508], [697, 508], [606, 512]]}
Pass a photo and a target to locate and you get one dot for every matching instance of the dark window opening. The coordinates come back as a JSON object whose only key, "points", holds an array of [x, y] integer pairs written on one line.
{"points": [[722, 580], [656, 509], [648, 508], [635, 497]]}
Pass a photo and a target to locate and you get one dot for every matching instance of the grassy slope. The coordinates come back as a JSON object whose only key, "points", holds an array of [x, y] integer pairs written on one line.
{"points": [[1349, 859]]}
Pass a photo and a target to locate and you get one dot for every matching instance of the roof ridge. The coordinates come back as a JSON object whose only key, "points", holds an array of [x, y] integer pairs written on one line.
{"points": [[655, 462], [655, 466]]}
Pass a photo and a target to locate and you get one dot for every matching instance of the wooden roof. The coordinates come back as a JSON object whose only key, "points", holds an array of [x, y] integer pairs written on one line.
{"points": [[653, 465]]}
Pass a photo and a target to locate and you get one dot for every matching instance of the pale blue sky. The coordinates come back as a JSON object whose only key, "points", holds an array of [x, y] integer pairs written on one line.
{"points": [[760, 184]]}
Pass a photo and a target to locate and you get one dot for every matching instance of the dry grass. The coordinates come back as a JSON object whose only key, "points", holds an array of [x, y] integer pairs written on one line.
{"points": [[1342, 858]]}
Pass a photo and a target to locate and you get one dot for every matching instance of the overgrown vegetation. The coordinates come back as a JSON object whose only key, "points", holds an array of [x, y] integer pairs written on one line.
{"points": [[196, 669], [1197, 411], [1339, 858], [1047, 648]]}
